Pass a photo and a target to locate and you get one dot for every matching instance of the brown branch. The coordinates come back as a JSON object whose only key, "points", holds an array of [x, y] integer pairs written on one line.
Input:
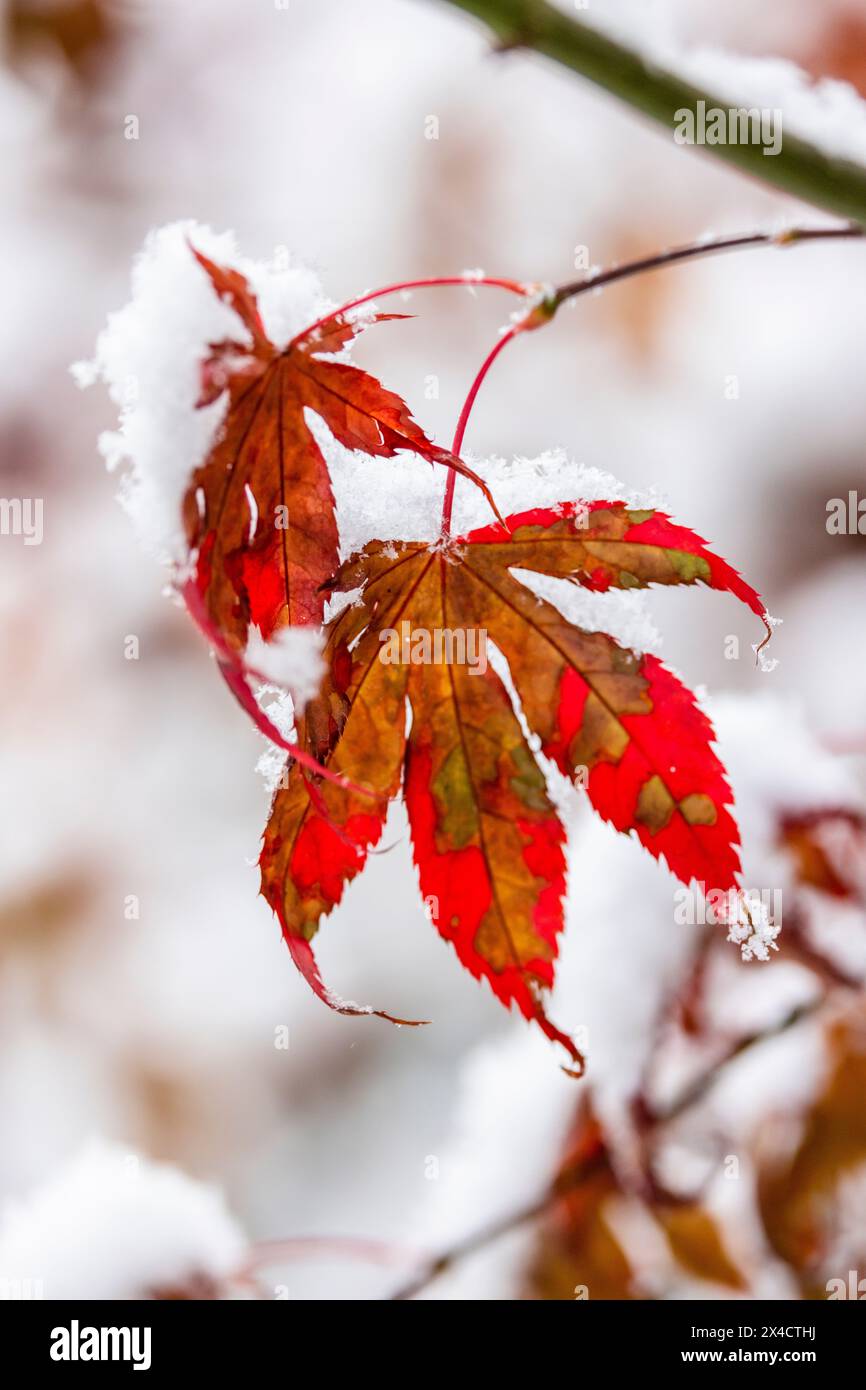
{"points": [[791, 236], [700, 1087], [566, 1182]]}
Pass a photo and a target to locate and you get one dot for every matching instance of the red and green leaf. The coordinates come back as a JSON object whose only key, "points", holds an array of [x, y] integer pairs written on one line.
{"points": [[488, 844]]}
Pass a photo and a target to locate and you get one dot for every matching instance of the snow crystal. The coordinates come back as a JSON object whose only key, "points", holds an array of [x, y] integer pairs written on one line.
{"points": [[292, 659], [540, 293], [111, 1224], [362, 316], [402, 496], [766, 663], [149, 356], [270, 766], [753, 930], [84, 374], [777, 768], [281, 711], [471, 279]]}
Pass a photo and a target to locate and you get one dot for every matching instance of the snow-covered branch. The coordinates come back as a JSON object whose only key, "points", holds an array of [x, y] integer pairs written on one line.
{"points": [[822, 155]]}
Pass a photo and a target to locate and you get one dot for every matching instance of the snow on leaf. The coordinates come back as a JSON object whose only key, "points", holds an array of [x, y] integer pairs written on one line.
{"points": [[259, 511], [292, 660]]}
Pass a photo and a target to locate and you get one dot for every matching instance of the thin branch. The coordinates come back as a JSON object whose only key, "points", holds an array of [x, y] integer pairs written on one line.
{"points": [[468, 281], [700, 1087], [460, 431], [273, 1252], [800, 168], [566, 1182], [544, 311], [696, 250]]}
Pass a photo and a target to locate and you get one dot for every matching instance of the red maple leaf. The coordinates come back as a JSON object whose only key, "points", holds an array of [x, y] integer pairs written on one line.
{"points": [[259, 512], [487, 840]]}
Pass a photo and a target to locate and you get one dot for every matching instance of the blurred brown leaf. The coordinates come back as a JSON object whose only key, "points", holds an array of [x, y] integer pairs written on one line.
{"points": [[798, 1192], [577, 1248], [825, 846], [38, 920], [840, 52], [579, 1253], [696, 1244], [82, 32]]}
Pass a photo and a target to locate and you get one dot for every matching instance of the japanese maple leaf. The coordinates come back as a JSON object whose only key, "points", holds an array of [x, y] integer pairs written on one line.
{"points": [[259, 512], [488, 843]]}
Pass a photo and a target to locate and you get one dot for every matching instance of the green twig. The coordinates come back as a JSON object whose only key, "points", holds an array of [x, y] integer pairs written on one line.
{"points": [[800, 169]]}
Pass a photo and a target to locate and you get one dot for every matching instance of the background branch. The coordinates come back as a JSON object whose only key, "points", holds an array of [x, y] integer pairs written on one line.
{"points": [[573, 1176], [800, 169]]}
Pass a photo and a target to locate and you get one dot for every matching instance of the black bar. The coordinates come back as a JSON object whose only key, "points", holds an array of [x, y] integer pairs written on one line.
{"points": [[239, 1336]]}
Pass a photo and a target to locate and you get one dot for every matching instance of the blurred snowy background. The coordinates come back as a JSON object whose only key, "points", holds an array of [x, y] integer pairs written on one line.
{"points": [[733, 388]]}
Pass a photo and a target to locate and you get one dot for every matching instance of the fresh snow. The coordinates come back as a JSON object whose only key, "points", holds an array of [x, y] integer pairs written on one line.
{"points": [[292, 660], [149, 356], [829, 114], [111, 1224]]}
